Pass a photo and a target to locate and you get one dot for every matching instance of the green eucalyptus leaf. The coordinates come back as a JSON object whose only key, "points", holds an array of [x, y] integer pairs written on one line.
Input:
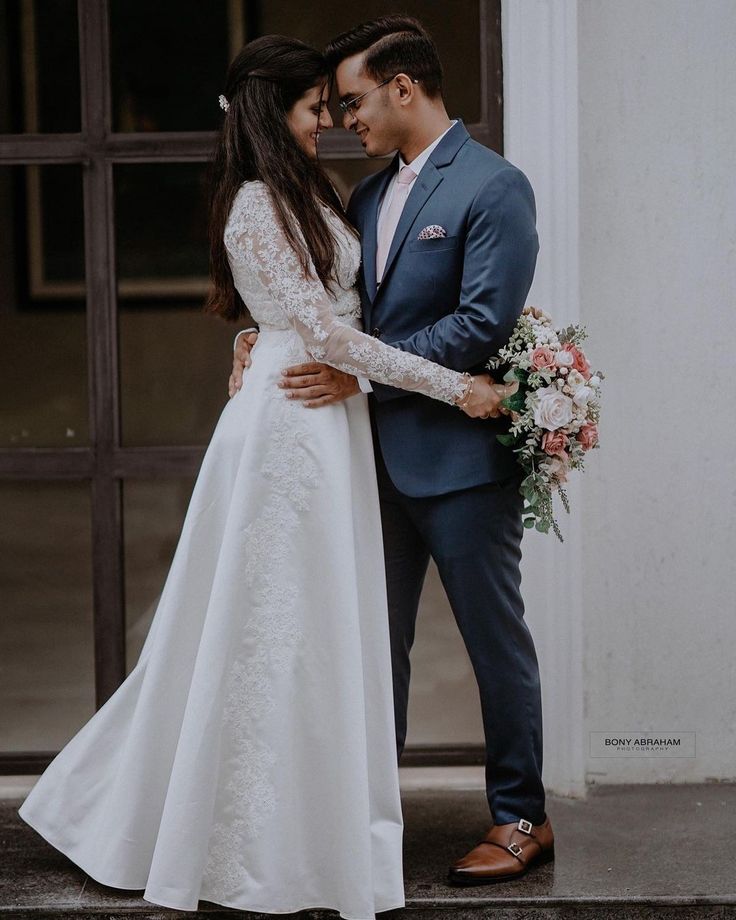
{"points": [[516, 402]]}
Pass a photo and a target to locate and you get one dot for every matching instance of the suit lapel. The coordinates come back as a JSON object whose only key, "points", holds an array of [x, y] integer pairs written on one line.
{"points": [[370, 228], [426, 182]]}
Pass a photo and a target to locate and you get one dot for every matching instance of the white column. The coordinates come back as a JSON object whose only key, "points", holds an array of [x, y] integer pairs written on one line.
{"points": [[540, 67]]}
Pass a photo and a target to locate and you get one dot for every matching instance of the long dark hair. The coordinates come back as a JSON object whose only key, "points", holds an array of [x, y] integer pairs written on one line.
{"points": [[263, 82]]}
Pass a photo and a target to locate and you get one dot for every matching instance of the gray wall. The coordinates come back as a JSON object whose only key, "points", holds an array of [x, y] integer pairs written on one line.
{"points": [[657, 117]]}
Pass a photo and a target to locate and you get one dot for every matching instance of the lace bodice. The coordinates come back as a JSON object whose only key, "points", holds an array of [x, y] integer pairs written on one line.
{"points": [[270, 279]]}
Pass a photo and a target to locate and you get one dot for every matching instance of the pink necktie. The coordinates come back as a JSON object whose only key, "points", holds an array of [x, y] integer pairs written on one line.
{"points": [[390, 219]]}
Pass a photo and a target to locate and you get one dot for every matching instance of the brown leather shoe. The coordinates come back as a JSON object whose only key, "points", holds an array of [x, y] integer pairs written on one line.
{"points": [[508, 851]]}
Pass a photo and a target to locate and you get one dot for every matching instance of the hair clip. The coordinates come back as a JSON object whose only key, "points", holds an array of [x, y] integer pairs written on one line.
{"points": [[224, 104]]}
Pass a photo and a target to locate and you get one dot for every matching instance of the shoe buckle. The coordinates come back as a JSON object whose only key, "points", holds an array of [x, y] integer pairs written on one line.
{"points": [[514, 848], [525, 826]]}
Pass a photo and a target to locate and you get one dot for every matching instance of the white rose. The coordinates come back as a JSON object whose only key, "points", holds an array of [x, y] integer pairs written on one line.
{"points": [[563, 358], [575, 379], [582, 395], [552, 409]]}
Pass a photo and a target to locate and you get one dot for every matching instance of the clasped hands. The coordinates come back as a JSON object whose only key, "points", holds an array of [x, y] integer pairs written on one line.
{"points": [[318, 384]]}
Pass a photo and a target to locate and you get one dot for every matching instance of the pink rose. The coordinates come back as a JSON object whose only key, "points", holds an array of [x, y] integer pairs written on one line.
{"points": [[579, 361], [554, 443], [588, 435], [542, 357]]}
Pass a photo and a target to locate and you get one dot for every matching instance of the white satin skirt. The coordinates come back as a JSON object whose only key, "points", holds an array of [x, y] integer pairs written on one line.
{"points": [[249, 758]]}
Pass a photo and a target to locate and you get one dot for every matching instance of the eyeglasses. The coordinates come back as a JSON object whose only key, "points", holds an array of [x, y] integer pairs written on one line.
{"points": [[347, 108]]}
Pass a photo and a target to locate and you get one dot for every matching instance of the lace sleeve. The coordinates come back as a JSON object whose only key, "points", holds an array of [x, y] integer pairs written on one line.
{"points": [[262, 249]]}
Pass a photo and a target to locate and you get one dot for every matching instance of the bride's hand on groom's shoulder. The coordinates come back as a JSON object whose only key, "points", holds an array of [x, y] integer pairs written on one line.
{"points": [[241, 360], [486, 397]]}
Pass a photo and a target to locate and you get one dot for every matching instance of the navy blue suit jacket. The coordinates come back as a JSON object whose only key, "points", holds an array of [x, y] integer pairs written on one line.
{"points": [[453, 299]]}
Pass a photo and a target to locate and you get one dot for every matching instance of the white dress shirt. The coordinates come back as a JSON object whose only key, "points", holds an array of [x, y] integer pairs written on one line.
{"points": [[416, 164]]}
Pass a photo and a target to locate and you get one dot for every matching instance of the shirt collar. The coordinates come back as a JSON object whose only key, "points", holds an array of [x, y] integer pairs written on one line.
{"points": [[418, 162]]}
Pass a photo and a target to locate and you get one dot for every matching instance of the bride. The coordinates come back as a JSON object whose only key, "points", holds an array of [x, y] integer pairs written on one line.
{"points": [[249, 758]]}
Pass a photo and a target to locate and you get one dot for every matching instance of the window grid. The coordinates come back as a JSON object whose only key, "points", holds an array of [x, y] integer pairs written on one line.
{"points": [[105, 464]]}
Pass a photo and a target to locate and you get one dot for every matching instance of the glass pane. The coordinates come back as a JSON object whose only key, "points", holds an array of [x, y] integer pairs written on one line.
{"points": [[169, 60], [153, 513], [47, 672], [174, 360], [161, 229], [152, 91], [175, 365], [43, 339], [444, 707], [458, 40], [39, 66]]}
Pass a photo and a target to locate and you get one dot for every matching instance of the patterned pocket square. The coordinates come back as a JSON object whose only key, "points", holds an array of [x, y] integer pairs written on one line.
{"points": [[433, 232]]}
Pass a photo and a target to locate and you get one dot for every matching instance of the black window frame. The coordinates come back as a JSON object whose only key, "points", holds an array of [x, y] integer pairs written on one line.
{"points": [[105, 463]]}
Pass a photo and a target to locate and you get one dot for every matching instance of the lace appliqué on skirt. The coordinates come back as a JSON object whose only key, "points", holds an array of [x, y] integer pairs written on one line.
{"points": [[270, 637]]}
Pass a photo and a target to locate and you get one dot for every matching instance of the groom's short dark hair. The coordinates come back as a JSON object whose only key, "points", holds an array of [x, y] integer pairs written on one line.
{"points": [[398, 44]]}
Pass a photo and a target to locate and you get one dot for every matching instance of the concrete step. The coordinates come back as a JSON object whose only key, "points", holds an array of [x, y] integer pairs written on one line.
{"points": [[627, 852]]}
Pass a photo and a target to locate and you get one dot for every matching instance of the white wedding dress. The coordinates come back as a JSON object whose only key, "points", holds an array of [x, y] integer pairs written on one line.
{"points": [[249, 757]]}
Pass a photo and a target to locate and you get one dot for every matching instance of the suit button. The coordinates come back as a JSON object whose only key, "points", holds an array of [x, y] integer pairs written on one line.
{"points": [[376, 332]]}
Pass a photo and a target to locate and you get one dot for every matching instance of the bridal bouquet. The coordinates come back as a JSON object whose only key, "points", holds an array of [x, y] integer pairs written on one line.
{"points": [[554, 411]]}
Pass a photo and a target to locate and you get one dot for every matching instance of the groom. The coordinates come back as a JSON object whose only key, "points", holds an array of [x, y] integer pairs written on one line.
{"points": [[449, 248]]}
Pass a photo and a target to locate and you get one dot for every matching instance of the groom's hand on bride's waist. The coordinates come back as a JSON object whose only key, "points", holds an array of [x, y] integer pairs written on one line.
{"points": [[317, 384], [244, 342], [314, 384]]}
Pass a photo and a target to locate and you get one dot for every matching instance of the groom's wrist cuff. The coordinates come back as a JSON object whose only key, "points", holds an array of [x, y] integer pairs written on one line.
{"points": [[365, 385]]}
